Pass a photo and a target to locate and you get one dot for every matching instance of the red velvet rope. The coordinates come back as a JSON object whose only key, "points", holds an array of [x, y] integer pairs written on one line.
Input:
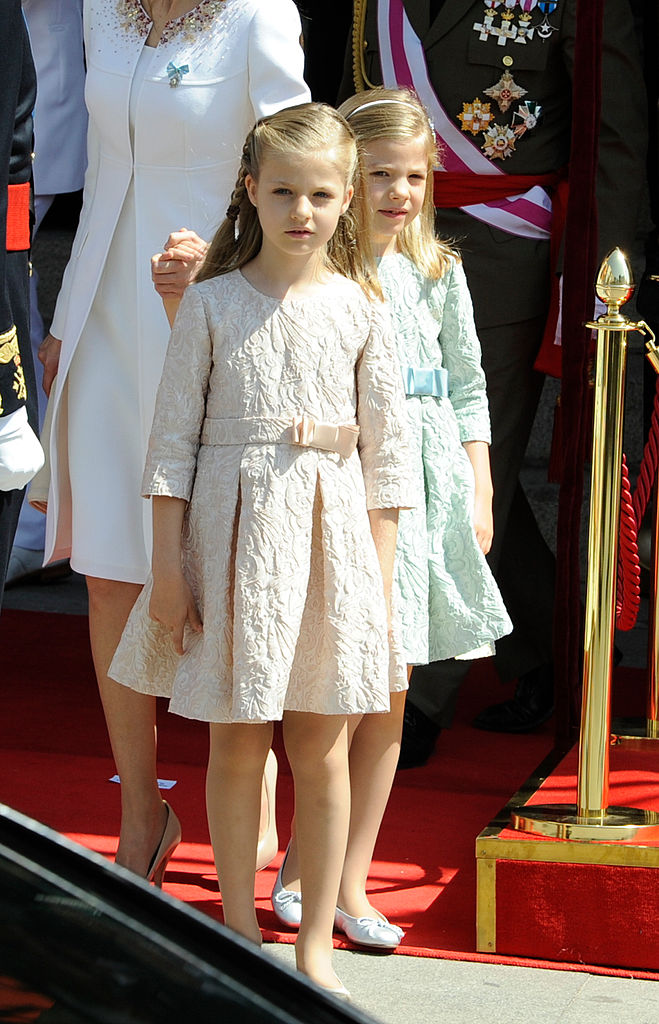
{"points": [[628, 597], [632, 510]]}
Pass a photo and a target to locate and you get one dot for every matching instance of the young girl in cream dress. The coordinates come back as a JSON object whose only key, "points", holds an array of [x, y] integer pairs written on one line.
{"points": [[277, 463]]}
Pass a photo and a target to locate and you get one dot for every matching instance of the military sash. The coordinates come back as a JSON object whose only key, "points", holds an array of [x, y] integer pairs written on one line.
{"points": [[403, 62]]}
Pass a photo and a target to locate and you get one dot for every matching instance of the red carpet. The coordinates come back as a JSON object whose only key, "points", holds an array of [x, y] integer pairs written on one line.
{"points": [[55, 764]]}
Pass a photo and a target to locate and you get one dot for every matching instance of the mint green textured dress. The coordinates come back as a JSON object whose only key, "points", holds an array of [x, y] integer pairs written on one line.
{"points": [[450, 603]]}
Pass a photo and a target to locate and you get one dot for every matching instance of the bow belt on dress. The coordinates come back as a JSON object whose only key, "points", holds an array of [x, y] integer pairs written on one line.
{"points": [[420, 380], [302, 430]]}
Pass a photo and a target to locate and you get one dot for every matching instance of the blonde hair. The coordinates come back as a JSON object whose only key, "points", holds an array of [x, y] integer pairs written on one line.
{"points": [[397, 114], [298, 131]]}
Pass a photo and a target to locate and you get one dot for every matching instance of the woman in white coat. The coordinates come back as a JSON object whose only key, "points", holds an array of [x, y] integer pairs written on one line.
{"points": [[172, 89]]}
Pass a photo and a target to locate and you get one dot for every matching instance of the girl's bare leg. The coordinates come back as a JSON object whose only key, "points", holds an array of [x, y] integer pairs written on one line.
{"points": [[131, 724], [233, 802], [374, 754], [317, 748], [374, 749]]}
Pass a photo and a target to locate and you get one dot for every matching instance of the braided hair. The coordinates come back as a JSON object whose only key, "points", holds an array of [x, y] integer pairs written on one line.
{"points": [[302, 130]]}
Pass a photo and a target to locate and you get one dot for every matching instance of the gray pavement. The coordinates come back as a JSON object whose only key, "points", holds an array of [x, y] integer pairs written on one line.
{"points": [[417, 990]]}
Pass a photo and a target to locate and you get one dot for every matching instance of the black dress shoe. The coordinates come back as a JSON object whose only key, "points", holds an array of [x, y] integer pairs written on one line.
{"points": [[532, 704], [419, 737]]}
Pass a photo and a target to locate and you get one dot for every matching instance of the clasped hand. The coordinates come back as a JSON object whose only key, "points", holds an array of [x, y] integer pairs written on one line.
{"points": [[175, 267]]}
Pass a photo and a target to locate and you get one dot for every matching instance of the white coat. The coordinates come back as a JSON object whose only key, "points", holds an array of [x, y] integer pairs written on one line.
{"points": [[244, 61]]}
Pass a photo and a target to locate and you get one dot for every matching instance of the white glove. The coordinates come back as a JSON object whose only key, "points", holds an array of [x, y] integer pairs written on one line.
{"points": [[21, 455]]}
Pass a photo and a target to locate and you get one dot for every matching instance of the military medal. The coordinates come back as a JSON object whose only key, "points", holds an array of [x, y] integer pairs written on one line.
{"points": [[527, 116], [499, 142], [486, 27], [544, 28], [475, 117], [525, 29], [508, 30], [506, 91]]}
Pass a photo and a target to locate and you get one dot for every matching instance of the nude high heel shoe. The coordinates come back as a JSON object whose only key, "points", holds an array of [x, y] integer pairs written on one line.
{"points": [[268, 847], [171, 837]]}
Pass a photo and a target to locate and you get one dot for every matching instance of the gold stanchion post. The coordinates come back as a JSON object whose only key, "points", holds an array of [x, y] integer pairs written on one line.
{"points": [[592, 818]]}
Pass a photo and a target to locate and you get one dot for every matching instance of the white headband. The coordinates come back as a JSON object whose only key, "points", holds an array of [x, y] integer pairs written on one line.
{"points": [[401, 103], [378, 103]]}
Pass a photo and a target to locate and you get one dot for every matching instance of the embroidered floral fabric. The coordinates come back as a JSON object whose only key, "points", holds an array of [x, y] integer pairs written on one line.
{"points": [[450, 603], [277, 545]]}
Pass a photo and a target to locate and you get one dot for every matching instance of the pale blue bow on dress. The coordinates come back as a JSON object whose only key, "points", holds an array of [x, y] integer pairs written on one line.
{"points": [[422, 380]]}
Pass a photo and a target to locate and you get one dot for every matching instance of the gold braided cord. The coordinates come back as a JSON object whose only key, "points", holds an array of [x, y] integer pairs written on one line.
{"points": [[358, 46]]}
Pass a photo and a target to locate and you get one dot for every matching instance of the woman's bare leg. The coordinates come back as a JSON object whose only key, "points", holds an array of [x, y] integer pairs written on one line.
{"points": [[233, 802], [131, 724], [317, 748]]}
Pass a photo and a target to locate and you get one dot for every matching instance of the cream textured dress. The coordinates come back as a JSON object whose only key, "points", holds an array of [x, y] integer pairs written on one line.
{"points": [[276, 541]]}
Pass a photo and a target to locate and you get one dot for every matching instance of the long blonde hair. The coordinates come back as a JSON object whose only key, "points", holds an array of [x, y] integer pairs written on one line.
{"points": [[298, 131], [397, 114]]}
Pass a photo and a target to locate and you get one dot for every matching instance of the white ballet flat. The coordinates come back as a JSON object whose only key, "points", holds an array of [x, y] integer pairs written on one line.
{"points": [[368, 931], [286, 903], [339, 993]]}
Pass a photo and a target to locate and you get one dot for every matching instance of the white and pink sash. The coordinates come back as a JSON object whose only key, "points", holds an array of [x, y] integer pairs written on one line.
{"points": [[403, 63]]}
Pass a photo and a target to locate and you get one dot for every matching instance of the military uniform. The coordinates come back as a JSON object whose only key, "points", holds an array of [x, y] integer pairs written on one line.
{"points": [[502, 70], [17, 387]]}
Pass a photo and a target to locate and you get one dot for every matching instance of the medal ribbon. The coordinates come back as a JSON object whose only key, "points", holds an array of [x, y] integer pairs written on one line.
{"points": [[404, 64]]}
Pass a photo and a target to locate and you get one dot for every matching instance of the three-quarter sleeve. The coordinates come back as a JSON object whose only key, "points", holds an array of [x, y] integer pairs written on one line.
{"points": [[180, 403], [276, 58], [461, 355], [384, 443]]}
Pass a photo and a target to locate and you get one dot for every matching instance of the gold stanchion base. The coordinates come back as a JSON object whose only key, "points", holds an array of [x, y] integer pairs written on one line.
{"points": [[634, 733], [561, 821], [633, 742]]}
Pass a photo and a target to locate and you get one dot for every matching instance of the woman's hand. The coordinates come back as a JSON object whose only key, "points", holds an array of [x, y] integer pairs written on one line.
{"points": [[172, 605], [49, 353], [175, 267]]}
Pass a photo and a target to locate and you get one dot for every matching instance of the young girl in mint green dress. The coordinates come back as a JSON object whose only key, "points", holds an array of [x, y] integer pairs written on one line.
{"points": [[451, 606]]}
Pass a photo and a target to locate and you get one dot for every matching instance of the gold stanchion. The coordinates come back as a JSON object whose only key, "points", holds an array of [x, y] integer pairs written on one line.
{"points": [[591, 818]]}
